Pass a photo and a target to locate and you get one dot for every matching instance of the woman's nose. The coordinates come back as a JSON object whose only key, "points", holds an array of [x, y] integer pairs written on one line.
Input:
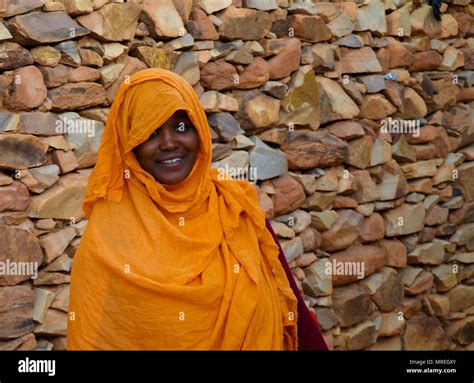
{"points": [[167, 139]]}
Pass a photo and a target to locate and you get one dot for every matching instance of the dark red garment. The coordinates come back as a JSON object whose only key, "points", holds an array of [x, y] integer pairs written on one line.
{"points": [[309, 335]]}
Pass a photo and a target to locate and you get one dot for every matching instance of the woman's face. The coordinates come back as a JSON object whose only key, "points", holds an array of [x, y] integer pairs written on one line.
{"points": [[170, 152]]}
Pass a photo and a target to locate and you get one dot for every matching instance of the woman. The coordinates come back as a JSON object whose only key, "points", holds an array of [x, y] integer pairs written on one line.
{"points": [[174, 256]]}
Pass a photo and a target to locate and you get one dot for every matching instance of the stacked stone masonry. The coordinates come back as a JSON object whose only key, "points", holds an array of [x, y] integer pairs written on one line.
{"points": [[355, 121]]}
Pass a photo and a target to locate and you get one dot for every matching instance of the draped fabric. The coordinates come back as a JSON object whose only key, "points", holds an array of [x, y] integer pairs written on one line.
{"points": [[184, 266]]}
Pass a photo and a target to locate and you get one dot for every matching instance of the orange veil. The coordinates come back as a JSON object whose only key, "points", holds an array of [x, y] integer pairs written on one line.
{"points": [[185, 266]]}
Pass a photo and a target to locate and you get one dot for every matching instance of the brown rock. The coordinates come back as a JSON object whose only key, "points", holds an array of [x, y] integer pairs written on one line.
{"points": [[66, 161], [319, 201], [346, 130], [423, 21], [21, 151], [351, 304], [44, 27], [365, 186], [286, 61], [200, 26], [62, 201], [112, 22], [361, 60], [21, 249], [16, 311], [445, 277], [335, 103], [46, 55], [424, 333], [301, 104], [428, 254], [11, 8], [376, 107], [289, 194], [413, 105], [405, 219], [399, 56], [373, 228], [244, 24], [309, 28], [460, 297], [437, 216], [395, 253], [422, 283], [256, 74], [14, 56], [55, 243], [360, 151], [355, 263], [462, 330], [343, 232], [219, 75], [425, 61], [419, 169], [393, 184], [38, 123], [27, 91], [14, 197], [310, 238], [77, 96], [55, 323], [358, 337], [257, 111], [83, 73], [306, 149], [56, 76], [390, 292], [25, 343]]}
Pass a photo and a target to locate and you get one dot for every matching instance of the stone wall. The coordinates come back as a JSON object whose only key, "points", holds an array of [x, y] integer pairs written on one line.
{"points": [[355, 117]]}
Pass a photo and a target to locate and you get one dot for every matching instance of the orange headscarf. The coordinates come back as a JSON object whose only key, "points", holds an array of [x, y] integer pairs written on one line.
{"points": [[185, 266]]}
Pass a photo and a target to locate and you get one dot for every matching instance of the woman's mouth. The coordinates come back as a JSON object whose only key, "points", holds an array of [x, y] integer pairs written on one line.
{"points": [[172, 163]]}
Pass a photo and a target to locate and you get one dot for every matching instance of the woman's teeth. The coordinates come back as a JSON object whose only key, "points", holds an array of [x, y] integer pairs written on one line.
{"points": [[172, 162]]}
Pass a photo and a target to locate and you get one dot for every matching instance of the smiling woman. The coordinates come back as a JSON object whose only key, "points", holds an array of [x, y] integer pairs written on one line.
{"points": [[174, 257]]}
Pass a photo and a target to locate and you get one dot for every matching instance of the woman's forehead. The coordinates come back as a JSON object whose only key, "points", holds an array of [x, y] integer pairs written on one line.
{"points": [[180, 115]]}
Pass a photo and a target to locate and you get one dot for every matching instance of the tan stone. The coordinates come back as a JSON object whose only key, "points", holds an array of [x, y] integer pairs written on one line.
{"points": [[376, 107], [62, 201], [113, 21], [405, 219], [27, 91], [55, 323], [343, 232], [306, 149], [77, 96], [361, 60], [309, 28], [428, 254], [424, 333], [351, 304], [289, 194], [16, 311], [55, 243], [373, 228]]}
